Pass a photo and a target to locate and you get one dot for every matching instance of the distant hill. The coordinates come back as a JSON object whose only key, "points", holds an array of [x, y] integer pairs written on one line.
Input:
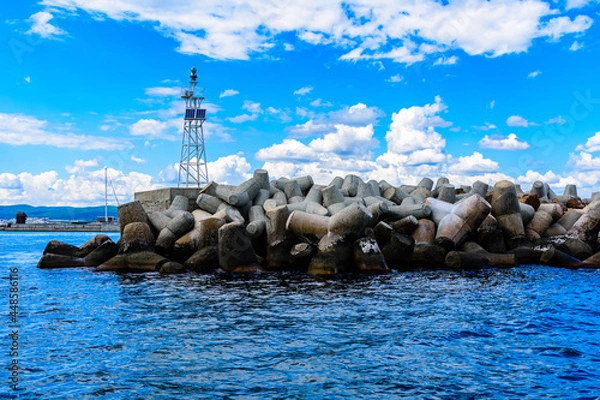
{"points": [[57, 213]]}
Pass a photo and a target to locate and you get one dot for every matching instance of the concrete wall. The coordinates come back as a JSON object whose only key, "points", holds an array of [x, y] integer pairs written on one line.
{"points": [[160, 199]]}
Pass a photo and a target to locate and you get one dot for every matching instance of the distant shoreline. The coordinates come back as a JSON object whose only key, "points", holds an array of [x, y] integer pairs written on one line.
{"points": [[91, 227]]}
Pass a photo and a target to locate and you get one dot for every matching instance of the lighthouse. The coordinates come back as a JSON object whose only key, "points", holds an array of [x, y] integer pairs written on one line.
{"points": [[193, 170]]}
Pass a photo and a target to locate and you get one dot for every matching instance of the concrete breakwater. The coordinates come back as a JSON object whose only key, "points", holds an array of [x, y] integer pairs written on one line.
{"points": [[348, 225]]}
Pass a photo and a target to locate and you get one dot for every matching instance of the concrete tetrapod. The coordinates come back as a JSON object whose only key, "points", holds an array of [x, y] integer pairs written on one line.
{"points": [[465, 218], [507, 211], [334, 255], [279, 241], [236, 253], [131, 212], [587, 227], [368, 258]]}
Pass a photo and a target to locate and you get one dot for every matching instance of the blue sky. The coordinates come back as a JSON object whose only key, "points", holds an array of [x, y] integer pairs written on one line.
{"points": [[400, 90]]}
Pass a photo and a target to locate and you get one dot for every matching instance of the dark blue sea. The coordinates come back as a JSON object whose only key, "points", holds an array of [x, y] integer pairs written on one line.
{"points": [[527, 333]]}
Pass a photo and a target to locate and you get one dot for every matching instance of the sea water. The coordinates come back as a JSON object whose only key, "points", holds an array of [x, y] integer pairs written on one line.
{"points": [[528, 332]]}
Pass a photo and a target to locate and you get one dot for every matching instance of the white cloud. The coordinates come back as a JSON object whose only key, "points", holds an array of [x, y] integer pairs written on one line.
{"points": [[28, 79], [395, 79], [591, 145], [22, 130], [473, 163], [346, 140], [217, 130], [511, 142], [517, 120], [446, 60], [238, 119], [151, 128], [137, 160], [486, 127], [576, 46], [288, 47], [533, 74], [228, 92], [252, 106], [288, 150], [308, 128], [492, 103], [84, 187], [405, 32], [320, 103], [557, 120], [357, 115], [80, 166], [413, 128], [584, 161], [303, 90], [163, 91], [230, 170], [414, 150], [557, 27], [40, 25], [571, 4]]}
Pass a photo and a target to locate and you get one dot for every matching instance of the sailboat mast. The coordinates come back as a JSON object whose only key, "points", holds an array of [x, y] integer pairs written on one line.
{"points": [[105, 195]]}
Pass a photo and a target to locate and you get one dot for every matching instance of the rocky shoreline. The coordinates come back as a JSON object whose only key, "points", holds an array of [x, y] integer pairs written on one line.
{"points": [[346, 226]]}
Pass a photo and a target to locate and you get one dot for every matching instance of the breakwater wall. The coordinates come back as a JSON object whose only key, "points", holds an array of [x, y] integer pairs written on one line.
{"points": [[92, 227], [347, 225]]}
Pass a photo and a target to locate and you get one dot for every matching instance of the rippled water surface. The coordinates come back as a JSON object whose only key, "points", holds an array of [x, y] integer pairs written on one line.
{"points": [[530, 332]]}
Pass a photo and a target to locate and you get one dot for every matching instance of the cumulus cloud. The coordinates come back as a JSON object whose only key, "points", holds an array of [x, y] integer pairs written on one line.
{"points": [[533, 74], [288, 150], [308, 128], [228, 93], [413, 128], [84, 187], [473, 163], [349, 149], [22, 130], [591, 145], [81, 165], [40, 25], [230, 170], [511, 142], [357, 115], [517, 120], [150, 128], [584, 161]]}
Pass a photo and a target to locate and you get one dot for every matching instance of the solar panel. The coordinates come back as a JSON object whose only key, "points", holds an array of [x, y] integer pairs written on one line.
{"points": [[195, 113]]}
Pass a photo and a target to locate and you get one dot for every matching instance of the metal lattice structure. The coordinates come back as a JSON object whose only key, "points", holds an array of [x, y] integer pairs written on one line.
{"points": [[193, 170]]}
